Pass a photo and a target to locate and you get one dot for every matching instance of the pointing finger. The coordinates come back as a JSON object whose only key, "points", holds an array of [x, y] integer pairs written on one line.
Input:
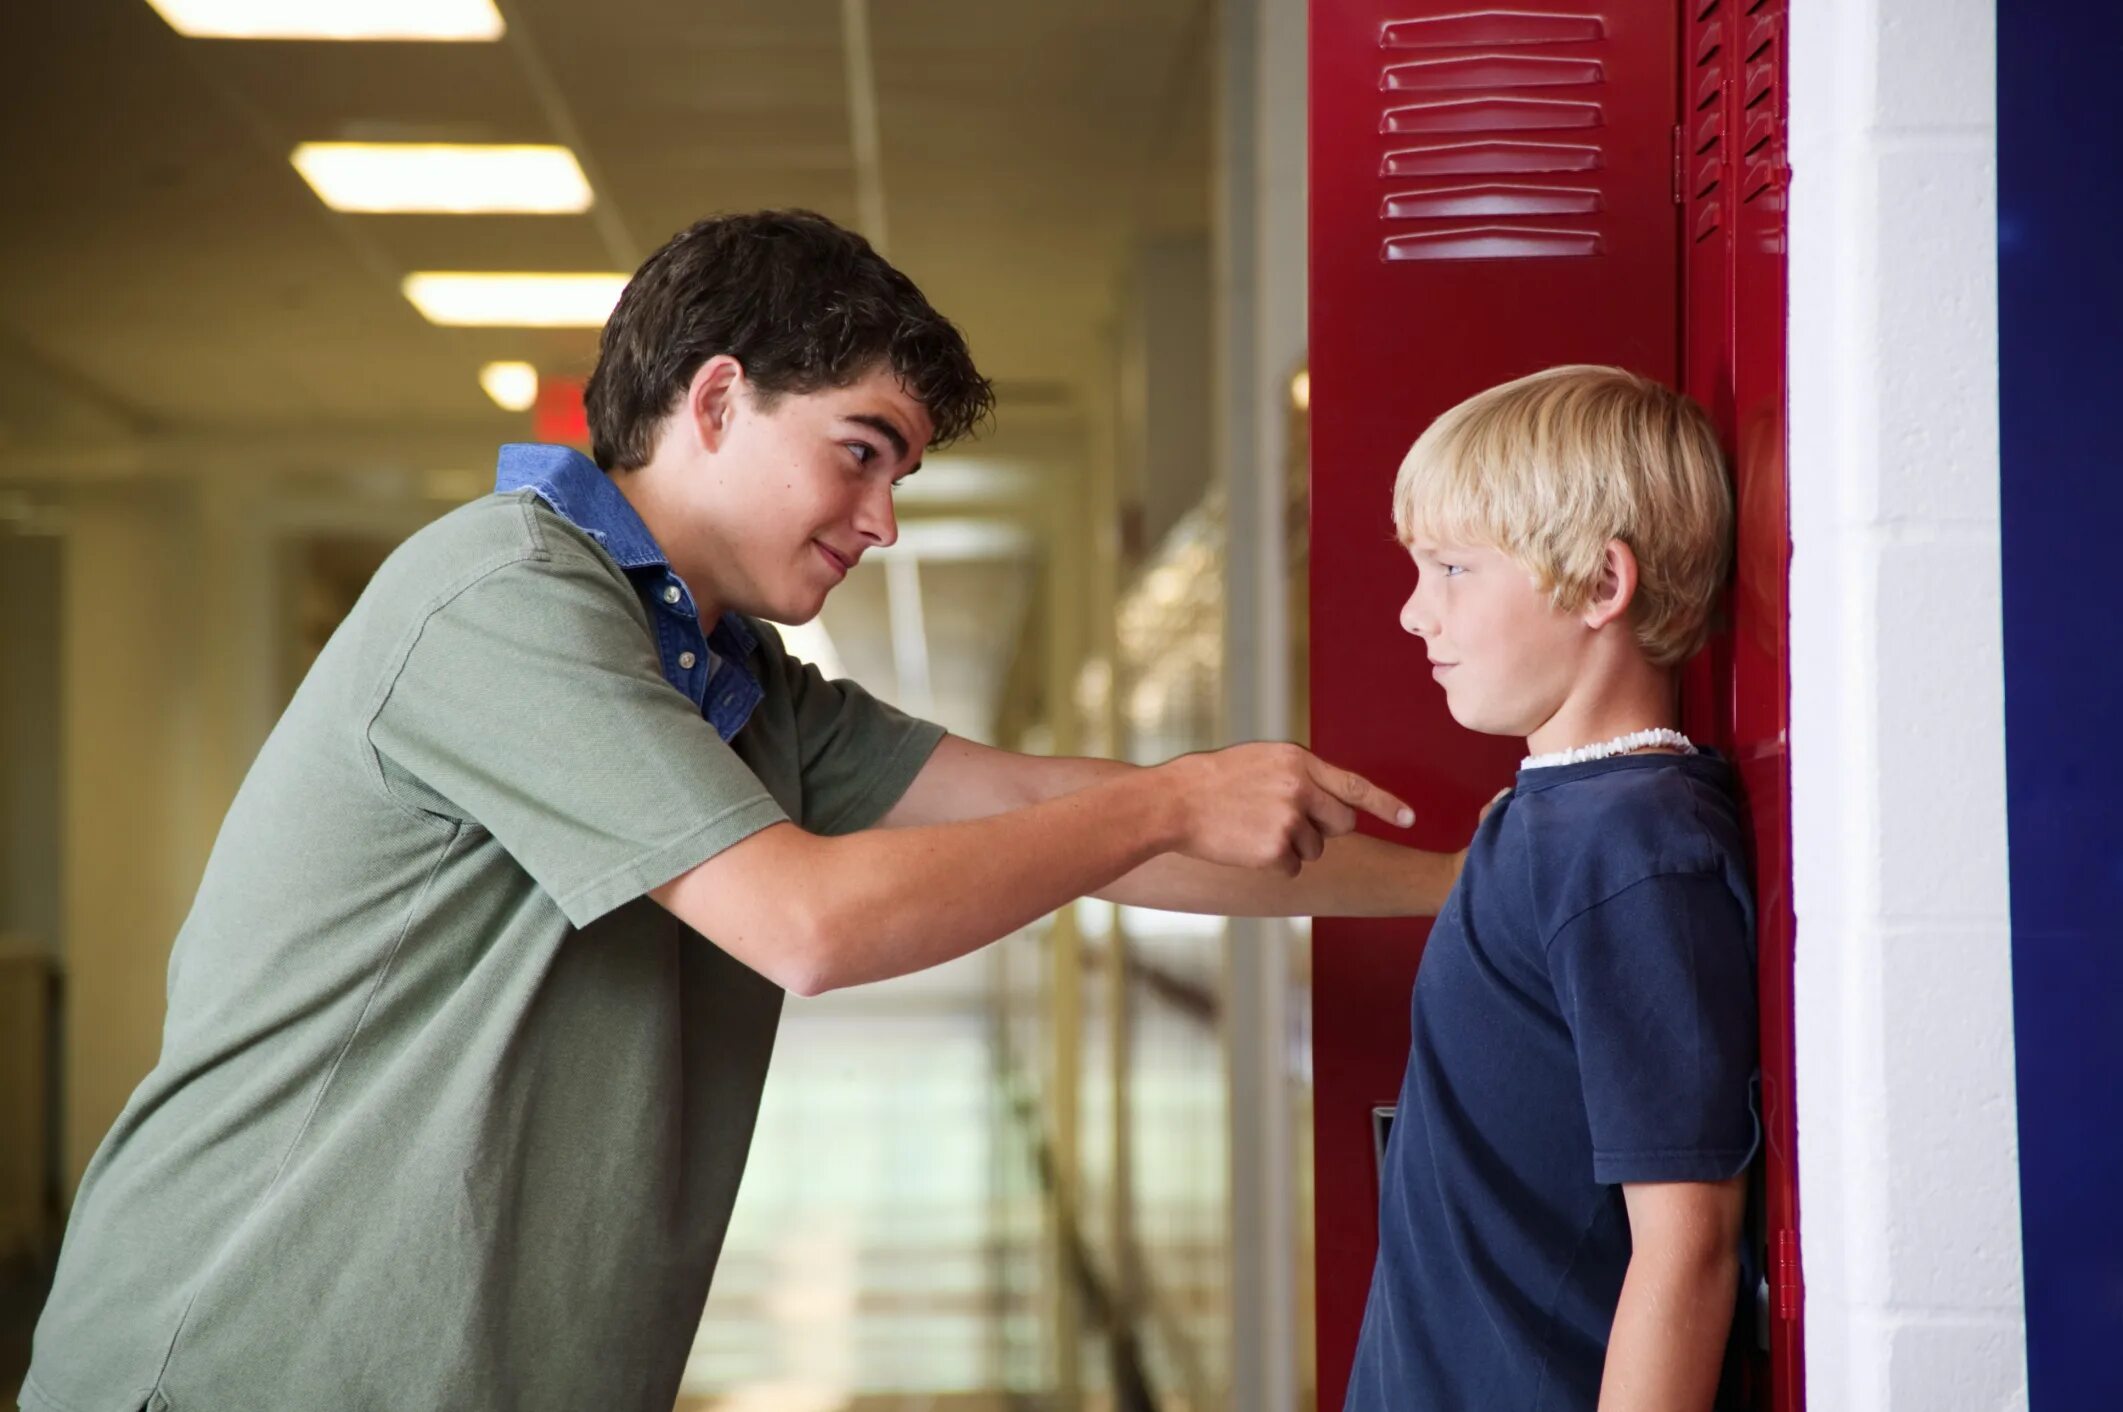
{"points": [[1329, 815], [1353, 789]]}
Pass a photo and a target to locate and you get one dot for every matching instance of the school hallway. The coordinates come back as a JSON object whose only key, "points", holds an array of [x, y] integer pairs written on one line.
{"points": [[278, 280]]}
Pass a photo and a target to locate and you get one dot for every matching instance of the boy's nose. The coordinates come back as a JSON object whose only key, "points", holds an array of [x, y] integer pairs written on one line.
{"points": [[877, 522], [1411, 619]]}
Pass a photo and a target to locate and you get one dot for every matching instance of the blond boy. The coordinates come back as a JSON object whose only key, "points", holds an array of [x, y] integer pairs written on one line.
{"points": [[1562, 1193]]}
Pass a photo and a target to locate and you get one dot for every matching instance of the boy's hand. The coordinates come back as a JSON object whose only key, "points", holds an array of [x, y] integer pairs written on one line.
{"points": [[1495, 799], [1459, 859], [1269, 806]]}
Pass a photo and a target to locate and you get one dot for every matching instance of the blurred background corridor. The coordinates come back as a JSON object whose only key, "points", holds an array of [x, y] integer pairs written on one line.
{"points": [[237, 366], [277, 277]]}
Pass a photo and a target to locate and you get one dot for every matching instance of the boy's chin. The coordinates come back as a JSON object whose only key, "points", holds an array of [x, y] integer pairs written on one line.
{"points": [[798, 609], [1486, 722]]}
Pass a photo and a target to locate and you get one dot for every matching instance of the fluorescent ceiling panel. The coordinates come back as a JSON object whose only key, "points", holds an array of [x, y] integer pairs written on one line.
{"points": [[333, 19], [513, 386], [443, 178], [482, 300]]}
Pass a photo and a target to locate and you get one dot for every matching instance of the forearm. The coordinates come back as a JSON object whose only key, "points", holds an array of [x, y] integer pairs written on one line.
{"points": [[1668, 1341], [887, 902], [1358, 876]]}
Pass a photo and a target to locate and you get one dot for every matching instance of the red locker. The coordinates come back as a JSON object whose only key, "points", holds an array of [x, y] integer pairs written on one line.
{"points": [[1496, 190], [1737, 695]]}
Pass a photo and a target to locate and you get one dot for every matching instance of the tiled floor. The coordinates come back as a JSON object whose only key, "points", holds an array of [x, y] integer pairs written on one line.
{"points": [[883, 1254]]}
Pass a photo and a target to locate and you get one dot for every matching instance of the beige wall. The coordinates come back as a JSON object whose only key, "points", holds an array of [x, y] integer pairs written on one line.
{"points": [[29, 738], [123, 666], [166, 667], [26, 1227], [29, 883]]}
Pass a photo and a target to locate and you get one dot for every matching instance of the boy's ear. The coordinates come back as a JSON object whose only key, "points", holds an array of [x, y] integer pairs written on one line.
{"points": [[1616, 588], [712, 398]]}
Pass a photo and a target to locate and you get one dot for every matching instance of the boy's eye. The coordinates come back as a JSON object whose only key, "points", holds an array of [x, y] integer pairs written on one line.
{"points": [[864, 452], [1450, 570]]}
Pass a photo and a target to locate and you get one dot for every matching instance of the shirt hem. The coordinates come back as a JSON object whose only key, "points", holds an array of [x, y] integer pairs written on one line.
{"points": [[33, 1396], [892, 779], [1694, 1165], [640, 876]]}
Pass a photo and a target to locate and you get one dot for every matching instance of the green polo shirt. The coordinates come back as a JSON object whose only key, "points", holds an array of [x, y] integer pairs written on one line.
{"points": [[448, 1114]]}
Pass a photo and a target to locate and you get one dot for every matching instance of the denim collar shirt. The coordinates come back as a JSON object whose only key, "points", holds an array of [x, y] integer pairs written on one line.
{"points": [[710, 668]]}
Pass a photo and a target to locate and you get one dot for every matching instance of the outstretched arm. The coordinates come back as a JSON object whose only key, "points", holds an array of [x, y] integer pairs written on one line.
{"points": [[815, 913], [1356, 876]]}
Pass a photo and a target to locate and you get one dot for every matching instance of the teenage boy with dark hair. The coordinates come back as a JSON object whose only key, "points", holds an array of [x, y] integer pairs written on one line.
{"points": [[467, 1026], [1561, 1196]]}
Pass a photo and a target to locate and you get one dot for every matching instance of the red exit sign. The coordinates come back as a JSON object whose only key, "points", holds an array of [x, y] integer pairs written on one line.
{"points": [[558, 415]]}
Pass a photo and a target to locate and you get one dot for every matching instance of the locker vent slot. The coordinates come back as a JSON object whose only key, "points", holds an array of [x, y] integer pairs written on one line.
{"points": [[1489, 71], [1490, 158], [1460, 202], [1490, 115], [1494, 243], [1475, 27]]}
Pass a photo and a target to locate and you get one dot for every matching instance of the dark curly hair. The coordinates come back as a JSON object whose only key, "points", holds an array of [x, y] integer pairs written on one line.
{"points": [[802, 303]]}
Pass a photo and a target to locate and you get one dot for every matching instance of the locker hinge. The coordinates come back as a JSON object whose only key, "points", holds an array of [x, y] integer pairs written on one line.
{"points": [[1677, 139], [1787, 1275]]}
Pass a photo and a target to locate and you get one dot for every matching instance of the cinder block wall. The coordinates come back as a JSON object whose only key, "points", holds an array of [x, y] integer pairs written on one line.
{"points": [[1907, 1140]]}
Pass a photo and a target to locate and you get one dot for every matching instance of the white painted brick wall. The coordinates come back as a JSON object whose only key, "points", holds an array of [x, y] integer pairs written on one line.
{"points": [[1908, 1155]]}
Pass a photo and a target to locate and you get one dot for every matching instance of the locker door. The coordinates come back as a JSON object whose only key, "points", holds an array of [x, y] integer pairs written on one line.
{"points": [[1493, 191], [1737, 694]]}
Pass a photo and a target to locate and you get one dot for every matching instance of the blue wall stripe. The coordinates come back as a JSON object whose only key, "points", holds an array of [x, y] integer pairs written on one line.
{"points": [[2060, 317]]}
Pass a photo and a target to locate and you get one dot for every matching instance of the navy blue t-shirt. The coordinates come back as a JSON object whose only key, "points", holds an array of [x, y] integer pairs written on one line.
{"points": [[1584, 1017]]}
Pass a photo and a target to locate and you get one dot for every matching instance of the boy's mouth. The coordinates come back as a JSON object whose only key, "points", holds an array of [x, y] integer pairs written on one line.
{"points": [[833, 558]]}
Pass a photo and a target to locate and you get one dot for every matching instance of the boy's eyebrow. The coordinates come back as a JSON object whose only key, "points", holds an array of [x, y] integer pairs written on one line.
{"points": [[884, 427]]}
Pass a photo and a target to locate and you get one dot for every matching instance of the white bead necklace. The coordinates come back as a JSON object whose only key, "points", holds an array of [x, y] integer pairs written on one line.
{"points": [[1620, 745]]}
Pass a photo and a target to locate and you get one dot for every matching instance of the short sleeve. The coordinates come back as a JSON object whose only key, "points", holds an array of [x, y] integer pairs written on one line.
{"points": [[1657, 984], [531, 704], [858, 754]]}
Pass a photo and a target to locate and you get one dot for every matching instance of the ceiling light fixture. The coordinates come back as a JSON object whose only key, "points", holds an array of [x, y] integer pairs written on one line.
{"points": [[466, 300], [513, 386], [444, 178], [443, 20]]}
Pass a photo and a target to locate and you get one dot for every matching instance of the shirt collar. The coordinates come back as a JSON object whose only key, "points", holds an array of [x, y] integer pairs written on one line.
{"points": [[573, 485], [584, 495]]}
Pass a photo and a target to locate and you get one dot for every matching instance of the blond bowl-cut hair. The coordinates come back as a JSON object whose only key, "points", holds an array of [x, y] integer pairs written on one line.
{"points": [[1551, 467]]}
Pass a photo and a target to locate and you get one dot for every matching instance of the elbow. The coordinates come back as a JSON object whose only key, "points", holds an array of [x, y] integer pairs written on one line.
{"points": [[810, 962], [806, 984], [807, 978]]}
